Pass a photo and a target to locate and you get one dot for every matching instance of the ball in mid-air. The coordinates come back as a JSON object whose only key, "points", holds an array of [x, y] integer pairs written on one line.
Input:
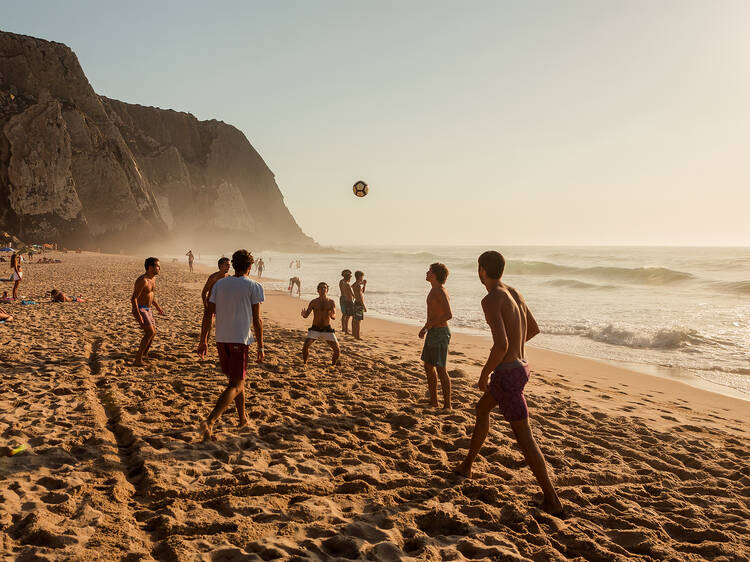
{"points": [[360, 189]]}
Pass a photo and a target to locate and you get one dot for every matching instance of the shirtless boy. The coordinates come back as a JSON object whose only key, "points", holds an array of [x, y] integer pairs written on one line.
{"points": [[142, 300], [435, 351], [358, 290], [213, 278], [59, 296], [235, 301], [324, 310], [512, 325], [346, 300]]}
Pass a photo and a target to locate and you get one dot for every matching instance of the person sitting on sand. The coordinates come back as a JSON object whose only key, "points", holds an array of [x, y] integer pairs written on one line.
{"points": [[236, 303], [213, 278], [512, 325], [4, 315], [17, 273], [435, 351], [295, 281], [346, 300], [190, 259], [59, 296], [359, 308], [324, 310], [142, 300], [5, 297]]}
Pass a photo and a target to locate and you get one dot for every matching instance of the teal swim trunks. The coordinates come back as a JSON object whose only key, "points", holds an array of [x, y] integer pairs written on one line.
{"points": [[435, 350], [347, 306]]}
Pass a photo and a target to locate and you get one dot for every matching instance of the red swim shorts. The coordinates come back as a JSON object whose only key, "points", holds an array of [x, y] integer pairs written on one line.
{"points": [[506, 386], [233, 360]]}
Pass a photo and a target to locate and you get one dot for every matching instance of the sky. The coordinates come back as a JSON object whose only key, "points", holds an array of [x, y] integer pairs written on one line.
{"points": [[478, 122]]}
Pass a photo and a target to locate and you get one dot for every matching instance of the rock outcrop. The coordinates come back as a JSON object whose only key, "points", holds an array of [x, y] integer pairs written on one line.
{"points": [[84, 170]]}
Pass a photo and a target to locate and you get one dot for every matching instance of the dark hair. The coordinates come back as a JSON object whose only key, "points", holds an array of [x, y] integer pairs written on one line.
{"points": [[440, 271], [241, 261], [322, 284], [346, 274], [149, 262], [493, 263], [358, 274], [223, 260]]}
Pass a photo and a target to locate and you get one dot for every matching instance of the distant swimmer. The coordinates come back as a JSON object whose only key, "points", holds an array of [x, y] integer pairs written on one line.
{"points": [[346, 300], [435, 351], [190, 259], [213, 278], [359, 308], [260, 267], [324, 310], [143, 300], [59, 296], [235, 301], [512, 325], [295, 282]]}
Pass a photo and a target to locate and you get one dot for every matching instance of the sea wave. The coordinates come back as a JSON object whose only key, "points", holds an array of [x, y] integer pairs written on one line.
{"points": [[574, 284], [635, 275], [739, 287], [664, 339]]}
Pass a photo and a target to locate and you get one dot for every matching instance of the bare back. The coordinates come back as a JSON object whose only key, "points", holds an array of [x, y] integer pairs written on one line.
{"points": [[509, 318]]}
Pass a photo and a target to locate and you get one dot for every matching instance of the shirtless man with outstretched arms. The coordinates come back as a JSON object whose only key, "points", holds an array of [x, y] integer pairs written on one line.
{"points": [[323, 310], [142, 300], [213, 278], [512, 325]]}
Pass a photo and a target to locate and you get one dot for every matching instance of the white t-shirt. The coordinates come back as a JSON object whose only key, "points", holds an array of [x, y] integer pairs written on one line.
{"points": [[234, 298]]}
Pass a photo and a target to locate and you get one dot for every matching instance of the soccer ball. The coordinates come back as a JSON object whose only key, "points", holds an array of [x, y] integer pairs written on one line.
{"points": [[360, 189]]}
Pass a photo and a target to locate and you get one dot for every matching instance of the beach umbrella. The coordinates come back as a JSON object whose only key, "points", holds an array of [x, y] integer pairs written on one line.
{"points": [[7, 250]]}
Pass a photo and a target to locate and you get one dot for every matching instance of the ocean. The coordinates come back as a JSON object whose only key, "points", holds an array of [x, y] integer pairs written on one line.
{"points": [[667, 311]]}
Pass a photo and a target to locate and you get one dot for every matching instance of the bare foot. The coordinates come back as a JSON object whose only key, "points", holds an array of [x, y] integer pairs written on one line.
{"points": [[244, 423], [462, 470], [434, 404], [552, 507], [206, 431], [447, 408], [138, 363]]}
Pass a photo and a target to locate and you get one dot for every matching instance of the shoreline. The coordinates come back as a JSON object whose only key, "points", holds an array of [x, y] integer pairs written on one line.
{"points": [[101, 459]]}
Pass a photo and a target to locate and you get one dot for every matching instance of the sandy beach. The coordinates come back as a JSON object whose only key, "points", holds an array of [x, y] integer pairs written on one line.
{"points": [[337, 463]]}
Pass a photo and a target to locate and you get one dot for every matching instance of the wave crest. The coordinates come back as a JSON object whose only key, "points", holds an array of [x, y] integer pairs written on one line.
{"points": [[665, 339]]}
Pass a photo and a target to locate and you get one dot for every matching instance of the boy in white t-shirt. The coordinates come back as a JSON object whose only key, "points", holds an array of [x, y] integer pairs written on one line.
{"points": [[236, 303]]}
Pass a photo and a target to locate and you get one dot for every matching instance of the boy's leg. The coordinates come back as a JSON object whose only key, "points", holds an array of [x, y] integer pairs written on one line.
{"points": [[306, 349], [336, 352], [535, 460], [431, 382], [481, 428], [445, 383], [355, 328], [230, 393], [239, 403]]}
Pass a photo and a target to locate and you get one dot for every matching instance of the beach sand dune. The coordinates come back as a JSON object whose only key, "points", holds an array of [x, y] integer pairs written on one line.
{"points": [[337, 463]]}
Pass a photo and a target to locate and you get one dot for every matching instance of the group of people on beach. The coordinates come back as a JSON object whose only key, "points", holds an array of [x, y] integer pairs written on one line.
{"points": [[234, 303]]}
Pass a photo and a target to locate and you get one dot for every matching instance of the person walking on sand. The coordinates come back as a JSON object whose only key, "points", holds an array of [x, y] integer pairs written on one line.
{"points": [[346, 300], [236, 303], [324, 310], [359, 308], [260, 267], [213, 278], [435, 350], [190, 259], [512, 325], [143, 299], [16, 273]]}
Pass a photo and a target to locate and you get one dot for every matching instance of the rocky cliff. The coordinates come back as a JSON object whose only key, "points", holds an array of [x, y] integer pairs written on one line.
{"points": [[84, 170]]}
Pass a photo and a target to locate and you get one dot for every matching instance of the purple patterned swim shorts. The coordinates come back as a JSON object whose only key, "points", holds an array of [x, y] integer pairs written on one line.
{"points": [[506, 386]]}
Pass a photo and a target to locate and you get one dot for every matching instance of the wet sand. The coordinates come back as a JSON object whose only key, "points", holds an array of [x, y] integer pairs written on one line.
{"points": [[344, 462]]}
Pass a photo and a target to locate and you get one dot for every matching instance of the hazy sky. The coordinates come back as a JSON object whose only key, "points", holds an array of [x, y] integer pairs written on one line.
{"points": [[473, 122]]}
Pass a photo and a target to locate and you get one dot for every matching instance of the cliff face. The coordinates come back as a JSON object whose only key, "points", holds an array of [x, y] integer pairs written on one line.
{"points": [[89, 171]]}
